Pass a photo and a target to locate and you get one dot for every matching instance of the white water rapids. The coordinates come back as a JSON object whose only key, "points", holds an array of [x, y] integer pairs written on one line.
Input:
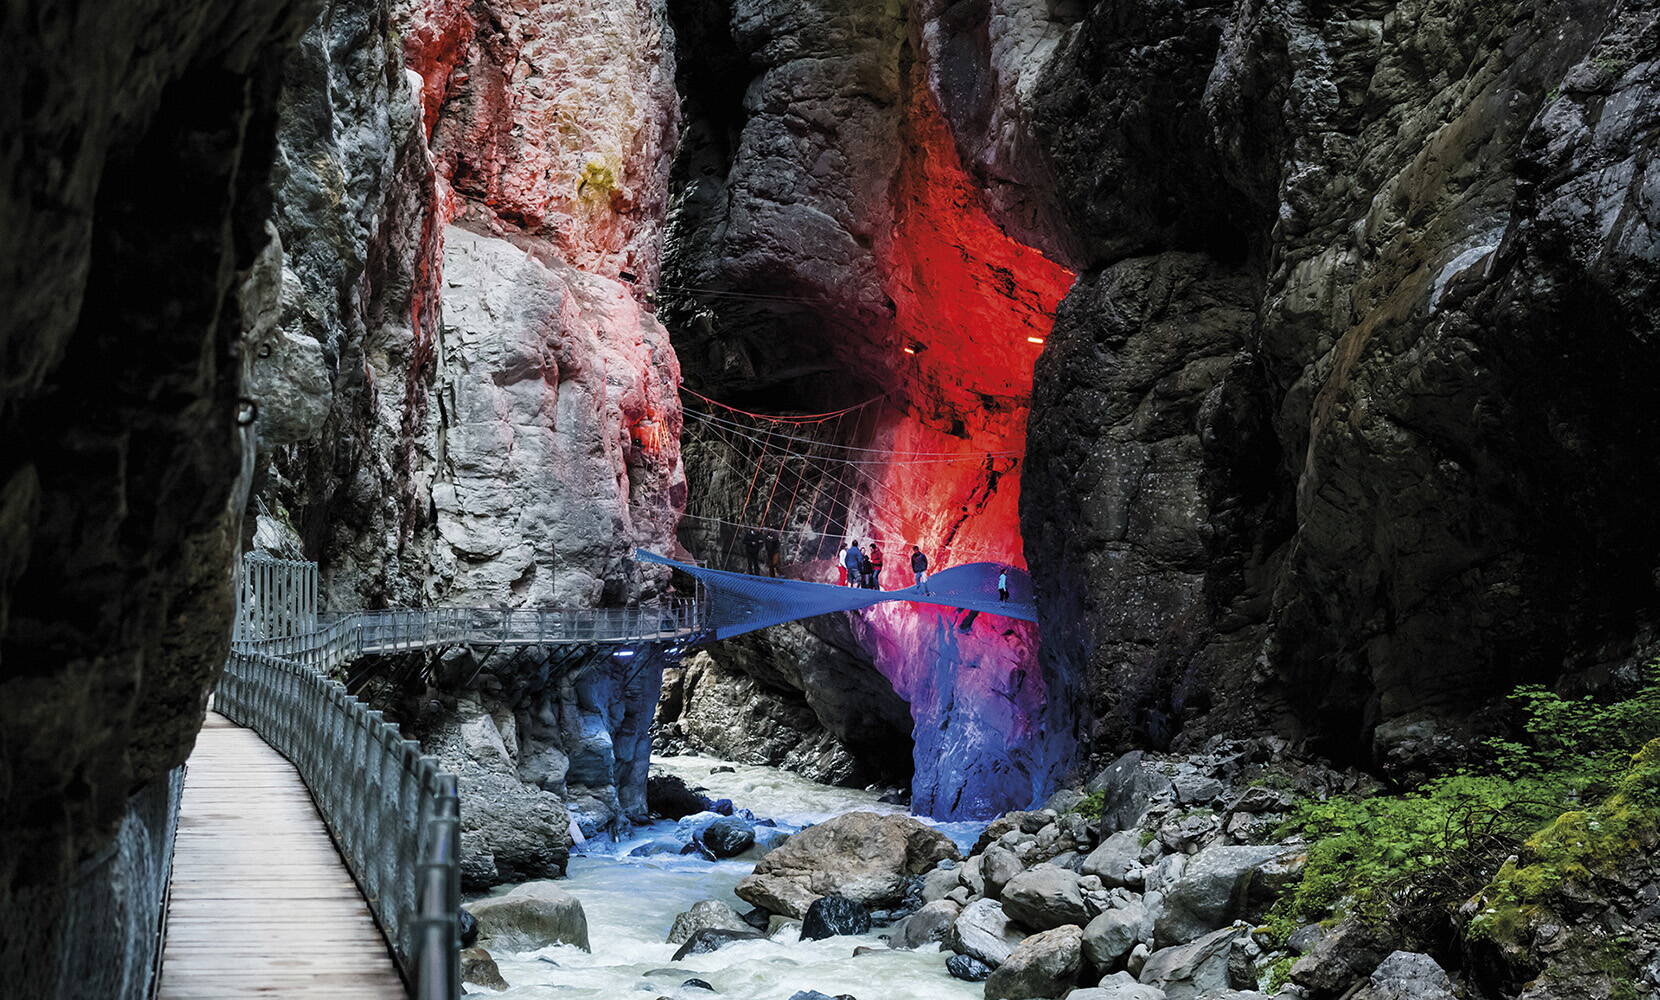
{"points": [[631, 903]]}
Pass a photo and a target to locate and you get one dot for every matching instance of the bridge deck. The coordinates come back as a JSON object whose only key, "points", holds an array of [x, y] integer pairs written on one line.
{"points": [[261, 902]]}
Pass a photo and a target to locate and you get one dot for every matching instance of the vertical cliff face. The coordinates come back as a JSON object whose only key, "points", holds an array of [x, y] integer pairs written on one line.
{"points": [[467, 399], [135, 161], [869, 242], [1313, 441]]}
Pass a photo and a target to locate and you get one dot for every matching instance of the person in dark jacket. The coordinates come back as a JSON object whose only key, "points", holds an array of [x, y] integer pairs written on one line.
{"points": [[919, 567], [864, 570], [752, 548], [855, 558], [774, 543]]}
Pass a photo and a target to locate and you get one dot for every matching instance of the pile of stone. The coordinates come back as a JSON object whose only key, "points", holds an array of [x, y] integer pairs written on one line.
{"points": [[1152, 899]]}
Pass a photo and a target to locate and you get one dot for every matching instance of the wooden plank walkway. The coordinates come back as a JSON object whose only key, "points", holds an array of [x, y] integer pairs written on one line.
{"points": [[262, 904]]}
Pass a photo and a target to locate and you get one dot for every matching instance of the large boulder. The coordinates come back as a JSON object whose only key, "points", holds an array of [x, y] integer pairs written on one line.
{"points": [[863, 856], [713, 939], [1045, 897], [982, 931], [830, 916], [998, 865], [728, 837], [929, 925], [1043, 965], [1188, 970], [669, 796], [1212, 890], [1350, 952], [706, 913], [1120, 991], [1129, 786], [1406, 975], [1109, 937], [1117, 860], [478, 968], [532, 916]]}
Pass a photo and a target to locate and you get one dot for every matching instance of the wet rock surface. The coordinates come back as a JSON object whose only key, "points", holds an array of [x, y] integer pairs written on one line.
{"points": [[862, 856], [531, 916]]}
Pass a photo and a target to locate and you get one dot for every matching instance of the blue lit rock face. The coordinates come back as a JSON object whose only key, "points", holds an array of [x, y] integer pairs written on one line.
{"points": [[992, 731]]}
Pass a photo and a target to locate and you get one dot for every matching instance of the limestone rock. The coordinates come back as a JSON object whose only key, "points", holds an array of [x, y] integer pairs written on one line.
{"points": [[1109, 937], [1043, 965], [1407, 976], [706, 913], [1211, 891], [707, 939], [929, 925], [1190, 970], [863, 856], [1350, 952], [478, 968], [531, 916], [1119, 991], [1117, 861], [1043, 898], [982, 932], [998, 865]]}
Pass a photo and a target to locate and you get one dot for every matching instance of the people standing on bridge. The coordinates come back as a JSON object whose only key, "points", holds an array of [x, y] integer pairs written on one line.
{"points": [[774, 543], [752, 548], [1003, 584], [853, 560], [875, 566], [841, 566], [864, 569], [919, 567]]}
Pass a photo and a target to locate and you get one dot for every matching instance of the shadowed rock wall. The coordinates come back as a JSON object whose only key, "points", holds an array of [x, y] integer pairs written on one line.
{"points": [[136, 151], [1349, 427]]}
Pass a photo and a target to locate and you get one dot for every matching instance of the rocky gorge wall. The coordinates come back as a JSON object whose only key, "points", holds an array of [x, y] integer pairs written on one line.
{"points": [[1344, 428], [829, 201], [467, 399], [137, 145]]}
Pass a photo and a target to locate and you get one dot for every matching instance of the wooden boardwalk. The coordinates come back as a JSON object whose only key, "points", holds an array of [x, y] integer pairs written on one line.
{"points": [[261, 903]]}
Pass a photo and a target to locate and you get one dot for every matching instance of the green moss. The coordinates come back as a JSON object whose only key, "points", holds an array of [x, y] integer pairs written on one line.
{"points": [[1093, 805], [1146, 837], [1279, 974], [598, 181]]}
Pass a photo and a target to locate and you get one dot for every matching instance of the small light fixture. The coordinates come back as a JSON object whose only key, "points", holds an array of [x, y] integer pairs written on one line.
{"points": [[623, 654], [915, 347], [1034, 340]]}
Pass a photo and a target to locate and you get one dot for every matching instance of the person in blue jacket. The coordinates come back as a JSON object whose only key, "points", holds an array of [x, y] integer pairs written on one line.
{"points": [[854, 558]]}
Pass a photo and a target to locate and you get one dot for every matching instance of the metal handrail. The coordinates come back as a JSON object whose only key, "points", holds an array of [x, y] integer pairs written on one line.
{"points": [[394, 814]]}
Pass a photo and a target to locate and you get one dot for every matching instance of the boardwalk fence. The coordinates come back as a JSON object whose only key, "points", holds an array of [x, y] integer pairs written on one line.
{"points": [[395, 815]]}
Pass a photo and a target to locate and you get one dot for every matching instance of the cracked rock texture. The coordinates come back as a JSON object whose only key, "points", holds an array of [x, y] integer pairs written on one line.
{"points": [[466, 399], [1349, 427], [135, 194]]}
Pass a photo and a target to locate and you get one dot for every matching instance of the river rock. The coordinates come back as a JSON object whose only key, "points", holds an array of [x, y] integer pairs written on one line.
{"points": [[1407, 975], [1130, 785], [929, 925], [1044, 897], [728, 837], [1117, 861], [998, 865], [1210, 891], [1043, 965], [982, 930], [669, 796], [1186, 971], [706, 913], [478, 968], [1119, 991], [468, 925], [531, 916], [1109, 937], [1019, 821], [713, 939], [1345, 955], [652, 848], [939, 882], [829, 916], [863, 856], [967, 968]]}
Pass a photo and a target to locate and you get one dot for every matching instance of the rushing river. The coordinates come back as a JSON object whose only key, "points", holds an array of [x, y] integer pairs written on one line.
{"points": [[632, 902]]}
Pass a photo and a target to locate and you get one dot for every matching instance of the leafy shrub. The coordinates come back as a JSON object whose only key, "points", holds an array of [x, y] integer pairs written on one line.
{"points": [[1093, 805], [1409, 859]]}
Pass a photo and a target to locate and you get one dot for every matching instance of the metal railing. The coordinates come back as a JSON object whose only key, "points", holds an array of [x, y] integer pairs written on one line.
{"points": [[394, 814]]}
